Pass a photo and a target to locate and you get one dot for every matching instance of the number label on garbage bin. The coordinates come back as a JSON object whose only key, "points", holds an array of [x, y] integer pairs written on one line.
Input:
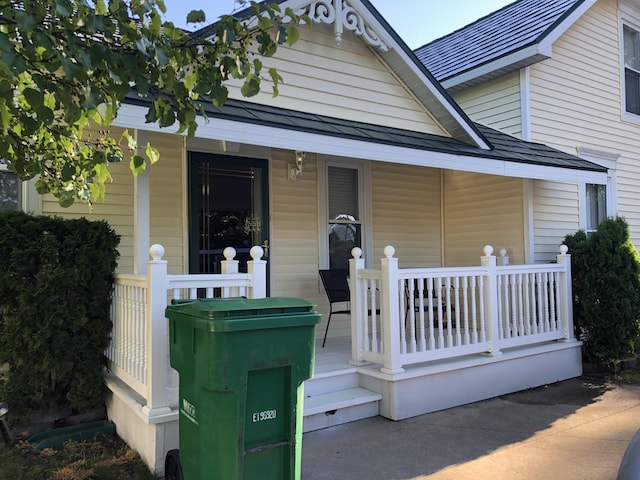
{"points": [[264, 415]]}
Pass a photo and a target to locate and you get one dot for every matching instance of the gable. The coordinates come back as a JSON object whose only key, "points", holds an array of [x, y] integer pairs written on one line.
{"points": [[347, 81]]}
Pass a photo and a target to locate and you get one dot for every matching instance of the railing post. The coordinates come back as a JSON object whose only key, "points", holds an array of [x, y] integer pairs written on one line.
{"points": [[491, 301], [257, 268], [229, 265], [566, 296], [157, 358], [503, 259], [389, 313], [357, 294]]}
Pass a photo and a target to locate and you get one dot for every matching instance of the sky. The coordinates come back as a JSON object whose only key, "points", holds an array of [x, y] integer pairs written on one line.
{"points": [[416, 21]]}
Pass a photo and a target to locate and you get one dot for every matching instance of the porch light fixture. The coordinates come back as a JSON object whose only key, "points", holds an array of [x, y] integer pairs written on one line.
{"points": [[295, 169]]}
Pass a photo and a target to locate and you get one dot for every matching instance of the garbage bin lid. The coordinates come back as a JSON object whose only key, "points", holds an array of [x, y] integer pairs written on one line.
{"points": [[240, 313]]}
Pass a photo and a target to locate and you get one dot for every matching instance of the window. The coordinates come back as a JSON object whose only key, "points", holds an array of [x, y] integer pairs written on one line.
{"points": [[9, 188], [596, 206], [344, 227], [632, 69]]}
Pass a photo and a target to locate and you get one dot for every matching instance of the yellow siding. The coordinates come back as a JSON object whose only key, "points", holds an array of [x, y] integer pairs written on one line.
{"points": [[406, 213], [577, 100], [347, 81], [167, 214], [555, 214], [117, 209], [496, 104], [482, 210]]}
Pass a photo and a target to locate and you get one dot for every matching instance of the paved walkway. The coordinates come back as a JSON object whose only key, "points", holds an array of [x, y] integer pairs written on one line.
{"points": [[576, 429]]}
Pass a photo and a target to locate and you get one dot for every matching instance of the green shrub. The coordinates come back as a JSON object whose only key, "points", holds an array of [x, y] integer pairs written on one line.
{"points": [[606, 288], [56, 280]]}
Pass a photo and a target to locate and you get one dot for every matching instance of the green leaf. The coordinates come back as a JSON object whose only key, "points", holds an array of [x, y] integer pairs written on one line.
{"points": [[152, 154], [196, 16], [137, 164], [251, 86]]}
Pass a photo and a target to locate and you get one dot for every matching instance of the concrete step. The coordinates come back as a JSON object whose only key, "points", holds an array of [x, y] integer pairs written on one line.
{"points": [[335, 408]]}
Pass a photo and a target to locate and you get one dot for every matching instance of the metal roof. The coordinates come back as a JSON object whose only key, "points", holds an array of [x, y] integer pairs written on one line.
{"points": [[505, 147], [512, 28]]}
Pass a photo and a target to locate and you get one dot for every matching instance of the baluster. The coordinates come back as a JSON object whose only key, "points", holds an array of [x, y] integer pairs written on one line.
{"points": [[520, 305], [438, 287], [421, 329], [553, 286], [532, 304], [525, 303], [502, 319], [432, 338], [445, 299], [465, 298], [474, 319], [454, 313], [483, 320], [547, 315], [411, 314]]}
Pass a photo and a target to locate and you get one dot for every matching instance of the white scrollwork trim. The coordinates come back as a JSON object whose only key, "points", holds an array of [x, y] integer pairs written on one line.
{"points": [[343, 16]]}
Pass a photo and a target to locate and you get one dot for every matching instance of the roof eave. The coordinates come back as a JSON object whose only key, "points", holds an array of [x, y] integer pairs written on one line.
{"points": [[509, 63]]}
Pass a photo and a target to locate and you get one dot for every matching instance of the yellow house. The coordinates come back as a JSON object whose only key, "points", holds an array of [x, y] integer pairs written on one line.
{"points": [[363, 154]]}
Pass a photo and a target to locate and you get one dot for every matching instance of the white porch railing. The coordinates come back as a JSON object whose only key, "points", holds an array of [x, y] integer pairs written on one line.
{"points": [[139, 350], [409, 316]]}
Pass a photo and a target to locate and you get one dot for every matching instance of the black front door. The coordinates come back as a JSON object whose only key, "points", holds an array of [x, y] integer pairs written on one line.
{"points": [[228, 207]]}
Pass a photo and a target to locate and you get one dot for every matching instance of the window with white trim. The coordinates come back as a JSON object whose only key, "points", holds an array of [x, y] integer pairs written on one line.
{"points": [[632, 69], [10, 188], [344, 223], [596, 206]]}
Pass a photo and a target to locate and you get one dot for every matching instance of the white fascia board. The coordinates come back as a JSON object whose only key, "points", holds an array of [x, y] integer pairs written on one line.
{"points": [[496, 65], [265, 136]]}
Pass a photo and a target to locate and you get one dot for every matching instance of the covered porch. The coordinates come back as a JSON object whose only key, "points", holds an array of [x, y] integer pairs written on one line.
{"points": [[434, 338]]}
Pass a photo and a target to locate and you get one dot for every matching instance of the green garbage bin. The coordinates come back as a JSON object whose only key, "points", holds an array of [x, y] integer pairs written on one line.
{"points": [[242, 363]]}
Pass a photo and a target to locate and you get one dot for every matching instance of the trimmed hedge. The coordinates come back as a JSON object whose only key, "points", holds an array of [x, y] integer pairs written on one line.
{"points": [[56, 280], [606, 289]]}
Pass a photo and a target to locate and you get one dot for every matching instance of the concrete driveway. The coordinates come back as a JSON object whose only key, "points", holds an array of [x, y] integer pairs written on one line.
{"points": [[576, 429]]}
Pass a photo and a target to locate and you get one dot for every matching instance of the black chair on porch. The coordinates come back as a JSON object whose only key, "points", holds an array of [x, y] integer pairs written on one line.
{"points": [[336, 286]]}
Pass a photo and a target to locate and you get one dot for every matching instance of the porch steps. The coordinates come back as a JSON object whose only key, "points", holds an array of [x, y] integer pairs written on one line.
{"points": [[334, 398]]}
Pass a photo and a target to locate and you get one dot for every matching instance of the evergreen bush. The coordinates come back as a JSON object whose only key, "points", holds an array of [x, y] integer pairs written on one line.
{"points": [[606, 290], [56, 280]]}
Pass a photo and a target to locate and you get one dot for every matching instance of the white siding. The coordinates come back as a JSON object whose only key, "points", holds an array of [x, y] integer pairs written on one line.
{"points": [[555, 214], [482, 210], [406, 213], [577, 99], [346, 81], [496, 104]]}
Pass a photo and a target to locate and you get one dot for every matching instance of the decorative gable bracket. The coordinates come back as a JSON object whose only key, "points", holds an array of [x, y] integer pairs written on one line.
{"points": [[343, 16]]}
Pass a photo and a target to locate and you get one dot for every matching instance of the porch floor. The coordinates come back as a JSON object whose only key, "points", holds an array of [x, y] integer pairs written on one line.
{"points": [[333, 357]]}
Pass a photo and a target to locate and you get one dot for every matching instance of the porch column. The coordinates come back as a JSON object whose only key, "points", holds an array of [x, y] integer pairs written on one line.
{"points": [[141, 211], [490, 300], [566, 296]]}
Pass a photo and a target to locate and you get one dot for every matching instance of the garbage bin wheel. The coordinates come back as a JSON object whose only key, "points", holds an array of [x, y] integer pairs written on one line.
{"points": [[172, 468]]}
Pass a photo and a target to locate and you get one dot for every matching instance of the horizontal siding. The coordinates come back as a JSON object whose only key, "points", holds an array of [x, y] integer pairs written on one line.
{"points": [[577, 100], [555, 214], [406, 213], [116, 210], [346, 81], [167, 215], [482, 210], [496, 104]]}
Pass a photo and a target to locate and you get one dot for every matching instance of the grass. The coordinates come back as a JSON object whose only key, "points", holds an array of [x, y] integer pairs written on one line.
{"points": [[105, 458]]}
